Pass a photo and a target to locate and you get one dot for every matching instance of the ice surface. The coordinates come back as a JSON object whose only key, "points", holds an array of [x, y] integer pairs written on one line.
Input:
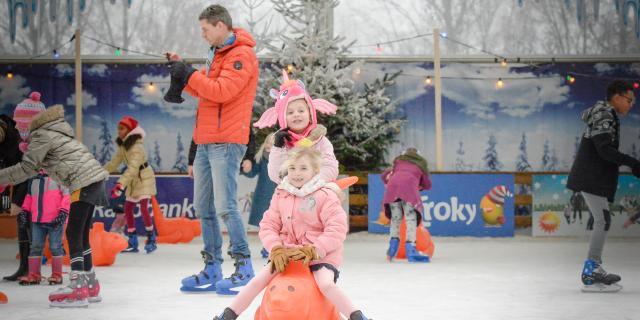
{"points": [[469, 278]]}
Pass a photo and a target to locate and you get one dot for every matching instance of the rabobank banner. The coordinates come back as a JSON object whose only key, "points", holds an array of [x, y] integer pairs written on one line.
{"points": [[479, 205], [175, 197]]}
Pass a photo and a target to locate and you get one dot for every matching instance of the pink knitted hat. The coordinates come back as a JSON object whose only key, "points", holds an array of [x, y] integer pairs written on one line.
{"points": [[24, 113]]}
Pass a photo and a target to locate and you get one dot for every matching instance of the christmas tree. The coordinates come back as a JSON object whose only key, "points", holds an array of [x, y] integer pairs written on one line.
{"points": [[366, 122], [553, 165], [157, 160], [491, 161], [522, 163], [460, 164], [106, 141], [549, 158], [181, 160]]}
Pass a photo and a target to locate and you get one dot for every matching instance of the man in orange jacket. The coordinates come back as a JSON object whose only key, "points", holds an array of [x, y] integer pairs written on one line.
{"points": [[225, 89]]}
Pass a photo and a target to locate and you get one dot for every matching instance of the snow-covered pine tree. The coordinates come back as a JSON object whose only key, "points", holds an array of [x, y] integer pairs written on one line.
{"points": [[546, 156], [181, 160], [491, 161], [366, 122], [553, 164], [106, 142], [156, 163], [460, 164], [522, 163], [259, 26]]}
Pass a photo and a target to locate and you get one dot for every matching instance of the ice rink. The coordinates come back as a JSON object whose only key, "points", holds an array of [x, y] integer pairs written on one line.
{"points": [[469, 278]]}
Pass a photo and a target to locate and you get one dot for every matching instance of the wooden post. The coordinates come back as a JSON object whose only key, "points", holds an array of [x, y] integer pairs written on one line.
{"points": [[438, 98], [78, 67]]}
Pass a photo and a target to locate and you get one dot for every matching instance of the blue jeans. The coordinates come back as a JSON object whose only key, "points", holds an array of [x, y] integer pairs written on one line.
{"points": [[39, 232], [215, 173]]}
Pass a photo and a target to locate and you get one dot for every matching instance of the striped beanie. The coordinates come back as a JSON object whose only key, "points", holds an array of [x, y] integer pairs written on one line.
{"points": [[498, 193], [24, 113]]}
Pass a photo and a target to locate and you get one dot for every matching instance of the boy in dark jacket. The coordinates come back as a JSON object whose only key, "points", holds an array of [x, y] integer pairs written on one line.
{"points": [[595, 174]]}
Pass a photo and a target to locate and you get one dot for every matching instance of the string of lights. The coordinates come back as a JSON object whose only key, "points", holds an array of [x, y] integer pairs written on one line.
{"points": [[570, 76]]}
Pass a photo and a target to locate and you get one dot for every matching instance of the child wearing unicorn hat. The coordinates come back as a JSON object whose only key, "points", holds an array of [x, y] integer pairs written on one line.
{"points": [[295, 113]]}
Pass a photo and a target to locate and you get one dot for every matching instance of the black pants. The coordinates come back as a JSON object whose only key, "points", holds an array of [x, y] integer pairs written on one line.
{"points": [[577, 212], [80, 221]]}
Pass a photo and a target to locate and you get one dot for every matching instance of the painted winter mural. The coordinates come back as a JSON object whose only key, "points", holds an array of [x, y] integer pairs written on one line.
{"points": [[531, 124], [110, 92]]}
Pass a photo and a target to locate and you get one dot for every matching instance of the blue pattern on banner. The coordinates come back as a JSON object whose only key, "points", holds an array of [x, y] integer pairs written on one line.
{"points": [[455, 206]]}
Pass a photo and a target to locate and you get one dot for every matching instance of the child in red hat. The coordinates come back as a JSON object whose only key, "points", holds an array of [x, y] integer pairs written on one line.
{"points": [[138, 181]]}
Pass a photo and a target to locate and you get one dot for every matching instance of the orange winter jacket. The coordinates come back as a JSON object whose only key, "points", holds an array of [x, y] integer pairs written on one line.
{"points": [[226, 93]]}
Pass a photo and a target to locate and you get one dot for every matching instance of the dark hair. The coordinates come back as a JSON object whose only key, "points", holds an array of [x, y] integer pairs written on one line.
{"points": [[618, 87], [216, 13]]}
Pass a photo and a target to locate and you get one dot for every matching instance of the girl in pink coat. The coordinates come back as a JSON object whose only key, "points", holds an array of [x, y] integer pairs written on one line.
{"points": [[403, 183], [46, 207], [295, 113], [305, 221]]}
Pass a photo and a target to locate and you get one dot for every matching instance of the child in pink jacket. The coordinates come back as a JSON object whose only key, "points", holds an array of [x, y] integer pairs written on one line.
{"points": [[403, 183], [46, 207], [295, 113], [305, 221]]}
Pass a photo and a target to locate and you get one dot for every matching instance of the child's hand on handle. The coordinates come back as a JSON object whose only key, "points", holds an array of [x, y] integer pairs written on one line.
{"points": [[280, 137], [279, 259], [116, 192], [305, 253]]}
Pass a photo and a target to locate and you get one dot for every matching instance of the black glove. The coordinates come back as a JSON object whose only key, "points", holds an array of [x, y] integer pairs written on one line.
{"points": [[60, 219], [280, 137], [24, 217], [181, 71], [174, 94]]}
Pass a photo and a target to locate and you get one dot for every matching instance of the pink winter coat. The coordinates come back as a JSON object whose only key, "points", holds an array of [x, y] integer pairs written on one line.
{"points": [[328, 168], [311, 215], [45, 199], [404, 182]]}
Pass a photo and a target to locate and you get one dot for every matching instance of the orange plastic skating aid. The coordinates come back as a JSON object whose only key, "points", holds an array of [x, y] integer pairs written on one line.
{"points": [[294, 295]]}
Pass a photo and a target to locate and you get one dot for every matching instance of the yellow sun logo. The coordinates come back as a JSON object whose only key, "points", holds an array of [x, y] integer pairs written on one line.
{"points": [[549, 222]]}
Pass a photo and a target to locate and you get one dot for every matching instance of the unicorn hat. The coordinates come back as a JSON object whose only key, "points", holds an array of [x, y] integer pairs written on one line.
{"points": [[291, 90]]}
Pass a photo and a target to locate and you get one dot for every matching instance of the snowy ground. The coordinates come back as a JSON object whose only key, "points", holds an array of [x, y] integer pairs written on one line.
{"points": [[518, 278]]}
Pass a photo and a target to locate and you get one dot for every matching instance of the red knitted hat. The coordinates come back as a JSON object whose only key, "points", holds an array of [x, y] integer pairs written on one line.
{"points": [[129, 122]]}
